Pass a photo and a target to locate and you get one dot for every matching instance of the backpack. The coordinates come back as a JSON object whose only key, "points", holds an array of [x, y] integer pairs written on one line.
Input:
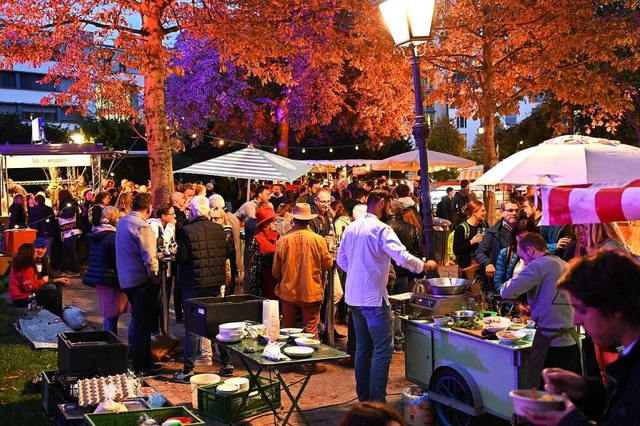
{"points": [[467, 231]]}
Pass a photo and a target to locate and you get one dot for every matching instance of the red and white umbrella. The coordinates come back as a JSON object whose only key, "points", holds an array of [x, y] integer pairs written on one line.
{"points": [[597, 203]]}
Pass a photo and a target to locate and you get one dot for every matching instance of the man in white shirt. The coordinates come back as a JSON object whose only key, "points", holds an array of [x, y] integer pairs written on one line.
{"points": [[367, 247]]}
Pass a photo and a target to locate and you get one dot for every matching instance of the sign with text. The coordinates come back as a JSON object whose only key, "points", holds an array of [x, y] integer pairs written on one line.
{"points": [[35, 161]]}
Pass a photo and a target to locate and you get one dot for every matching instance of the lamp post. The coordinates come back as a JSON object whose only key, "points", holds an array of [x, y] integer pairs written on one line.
{"points": [[409, 22]]}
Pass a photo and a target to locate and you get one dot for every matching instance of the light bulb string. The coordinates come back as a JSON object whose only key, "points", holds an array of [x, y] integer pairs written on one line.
{"points": [[221, 142]]}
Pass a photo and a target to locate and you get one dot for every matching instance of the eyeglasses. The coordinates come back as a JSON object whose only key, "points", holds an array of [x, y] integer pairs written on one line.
{"points": [[511, 210], [169, 214]]}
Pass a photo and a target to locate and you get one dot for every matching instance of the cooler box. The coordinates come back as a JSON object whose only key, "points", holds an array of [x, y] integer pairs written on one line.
{"points": [[14, 238], [91, 351], [203, 315]]}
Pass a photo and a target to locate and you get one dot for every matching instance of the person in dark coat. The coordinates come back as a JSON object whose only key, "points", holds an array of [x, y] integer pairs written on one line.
{"points": [[202, 254], [42, 219], [444, 209], [603, 290], [18, 213], [102, 273]]}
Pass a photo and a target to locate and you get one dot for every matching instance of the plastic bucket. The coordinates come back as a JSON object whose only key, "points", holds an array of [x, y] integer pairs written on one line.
{"points": [[201, 380], [417, 408]]}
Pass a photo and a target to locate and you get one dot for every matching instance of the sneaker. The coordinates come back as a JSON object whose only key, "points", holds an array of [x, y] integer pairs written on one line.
{"points": [[183, 377], [203, 361], [226, 370], [72, 274], [155, 367]]}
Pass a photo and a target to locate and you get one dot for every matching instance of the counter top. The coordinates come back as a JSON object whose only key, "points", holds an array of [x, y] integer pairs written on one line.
{"points": [[429, 325]]}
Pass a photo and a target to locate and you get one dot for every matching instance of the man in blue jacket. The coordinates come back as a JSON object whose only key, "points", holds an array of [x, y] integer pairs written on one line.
{"points": [[496, 238]]}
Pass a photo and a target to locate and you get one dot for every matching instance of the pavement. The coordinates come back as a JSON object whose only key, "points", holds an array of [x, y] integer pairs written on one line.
{"points": [[326, 399]]}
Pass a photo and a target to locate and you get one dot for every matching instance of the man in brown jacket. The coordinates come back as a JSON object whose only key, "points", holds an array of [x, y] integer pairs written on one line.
{"points": [[301, 256]]}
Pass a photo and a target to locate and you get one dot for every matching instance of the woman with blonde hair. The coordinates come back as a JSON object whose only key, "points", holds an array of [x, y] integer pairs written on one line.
{"points": [[595, 236], [124, 203], [469, 233], [217, 205]]}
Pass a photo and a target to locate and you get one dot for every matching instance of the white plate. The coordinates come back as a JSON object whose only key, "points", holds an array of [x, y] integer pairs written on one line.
{"points": [[241, 382], [233, 326], [291, 330], [298, 351], [311, 343], [228, 340], [227, 388], [307, 335], [493, 320]]}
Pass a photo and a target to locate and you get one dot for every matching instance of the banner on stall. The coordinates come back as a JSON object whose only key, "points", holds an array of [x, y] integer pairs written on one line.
{"points": [[36, 161]]}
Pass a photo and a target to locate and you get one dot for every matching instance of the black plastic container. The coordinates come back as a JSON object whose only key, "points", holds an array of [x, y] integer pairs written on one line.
{"points": [[203, 315], [97, 351]]}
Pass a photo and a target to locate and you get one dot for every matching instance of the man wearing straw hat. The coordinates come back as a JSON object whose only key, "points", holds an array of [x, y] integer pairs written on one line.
{"points": [[301, 256]]}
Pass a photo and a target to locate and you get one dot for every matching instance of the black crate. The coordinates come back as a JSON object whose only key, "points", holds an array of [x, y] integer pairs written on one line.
{"points": [[72, 414], [66, 386], [203, 315], [49, 392], [98, 351]]}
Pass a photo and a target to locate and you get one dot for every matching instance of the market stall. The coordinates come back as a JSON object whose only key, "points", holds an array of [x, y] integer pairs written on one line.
{"points": [[410, 162]]}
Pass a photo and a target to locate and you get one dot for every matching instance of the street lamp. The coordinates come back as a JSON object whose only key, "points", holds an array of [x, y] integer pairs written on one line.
{"points": [[409, 22]]}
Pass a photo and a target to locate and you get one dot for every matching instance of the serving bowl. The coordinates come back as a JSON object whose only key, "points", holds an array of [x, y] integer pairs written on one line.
{"points": [[463, 315], [310, 343], [307, 335], [510, 337], [545, 401], [291, 331], [495, 327], [529, 334], [441, 320], [516, 326]]}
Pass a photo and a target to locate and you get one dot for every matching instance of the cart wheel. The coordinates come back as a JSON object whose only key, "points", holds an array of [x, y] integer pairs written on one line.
{"points": [[449, 383]]}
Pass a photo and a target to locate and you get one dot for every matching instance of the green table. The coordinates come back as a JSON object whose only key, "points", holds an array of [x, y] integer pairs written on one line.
{"points": [[323, 354]]}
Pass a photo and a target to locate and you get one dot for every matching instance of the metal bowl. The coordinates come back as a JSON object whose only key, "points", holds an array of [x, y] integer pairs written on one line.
{"points": [[445, 286], [463, 315]]}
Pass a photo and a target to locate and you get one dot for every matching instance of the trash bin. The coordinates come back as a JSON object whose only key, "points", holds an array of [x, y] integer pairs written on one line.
{"points": [[440, 248], [417, 408]]}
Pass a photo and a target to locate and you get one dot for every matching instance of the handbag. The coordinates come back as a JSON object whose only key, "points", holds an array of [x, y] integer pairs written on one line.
{"points": [[67, 223]]}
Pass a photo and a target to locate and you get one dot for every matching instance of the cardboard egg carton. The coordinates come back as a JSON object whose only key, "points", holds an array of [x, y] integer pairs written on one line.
{"points": [[100, 389]]}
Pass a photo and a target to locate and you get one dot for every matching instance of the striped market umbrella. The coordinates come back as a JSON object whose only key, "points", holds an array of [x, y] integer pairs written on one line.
{"points": [[250, 163], [410, 161]]}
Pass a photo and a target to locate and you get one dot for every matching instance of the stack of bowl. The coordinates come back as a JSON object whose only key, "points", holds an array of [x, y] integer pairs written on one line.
{"points": [[232, 331], [241, 382]]}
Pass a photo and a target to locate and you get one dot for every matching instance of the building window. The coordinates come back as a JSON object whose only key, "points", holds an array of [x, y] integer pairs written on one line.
{"points": [[49, 116], [29, 81], [8, 79], [461, 122]]}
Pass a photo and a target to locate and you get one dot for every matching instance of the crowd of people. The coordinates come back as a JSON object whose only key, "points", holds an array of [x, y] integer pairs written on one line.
{"points": [[292, 237]]}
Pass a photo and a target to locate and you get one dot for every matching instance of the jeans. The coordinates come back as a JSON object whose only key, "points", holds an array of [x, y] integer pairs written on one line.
{"points": [[374, 349], [401, 286], [142, 299], [191, 339], [70, 260]]}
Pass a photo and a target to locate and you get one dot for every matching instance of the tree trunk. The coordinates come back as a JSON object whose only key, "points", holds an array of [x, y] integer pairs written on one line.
{"points": [[282, 122], [490, 159], [155, 118]]}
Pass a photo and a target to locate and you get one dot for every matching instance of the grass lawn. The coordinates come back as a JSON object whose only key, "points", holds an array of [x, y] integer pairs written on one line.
{"points": [[20, 400]]}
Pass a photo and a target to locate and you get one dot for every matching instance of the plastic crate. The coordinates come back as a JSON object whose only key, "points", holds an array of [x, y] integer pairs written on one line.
{"points": [[203, 315], [130, 418], [66, 386], [98, 351], [49, 392], [224, 407]]}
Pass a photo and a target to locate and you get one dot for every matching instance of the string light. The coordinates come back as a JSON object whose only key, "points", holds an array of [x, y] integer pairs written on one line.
{"points": [[275, 149], [330, 149], [193, 136], [357, 147], [304, 150], [380, 144], [221, 142]]}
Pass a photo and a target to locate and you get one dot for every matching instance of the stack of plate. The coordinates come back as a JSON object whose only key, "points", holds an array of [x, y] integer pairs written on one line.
{"points": [[232, 332], [241, 382], [227, 389]]}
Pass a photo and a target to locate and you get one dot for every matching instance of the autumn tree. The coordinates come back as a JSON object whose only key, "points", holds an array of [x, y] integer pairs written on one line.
{"points": [[341, 73], [97, 44], [490, 54]]}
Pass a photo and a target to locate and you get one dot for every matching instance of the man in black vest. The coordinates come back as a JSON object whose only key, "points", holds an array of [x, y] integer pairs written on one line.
{"points": [[202, 254]]}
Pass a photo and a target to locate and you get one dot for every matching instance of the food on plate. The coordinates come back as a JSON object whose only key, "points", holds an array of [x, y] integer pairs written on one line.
{"points": [[495, 320], [506, 335], [534, 400], [468, 325], [516, 326]]}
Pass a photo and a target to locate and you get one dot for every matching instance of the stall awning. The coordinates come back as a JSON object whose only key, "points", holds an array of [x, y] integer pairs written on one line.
{"points": [[471, 173], [598, 203], [53, 149]]}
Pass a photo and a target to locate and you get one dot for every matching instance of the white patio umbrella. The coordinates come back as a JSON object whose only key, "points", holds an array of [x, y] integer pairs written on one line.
{"points": [[567, 160], [250, 163], [409, 161]]}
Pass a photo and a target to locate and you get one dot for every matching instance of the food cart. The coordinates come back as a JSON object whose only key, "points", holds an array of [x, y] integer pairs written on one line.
{"points": [[466, 375]]}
